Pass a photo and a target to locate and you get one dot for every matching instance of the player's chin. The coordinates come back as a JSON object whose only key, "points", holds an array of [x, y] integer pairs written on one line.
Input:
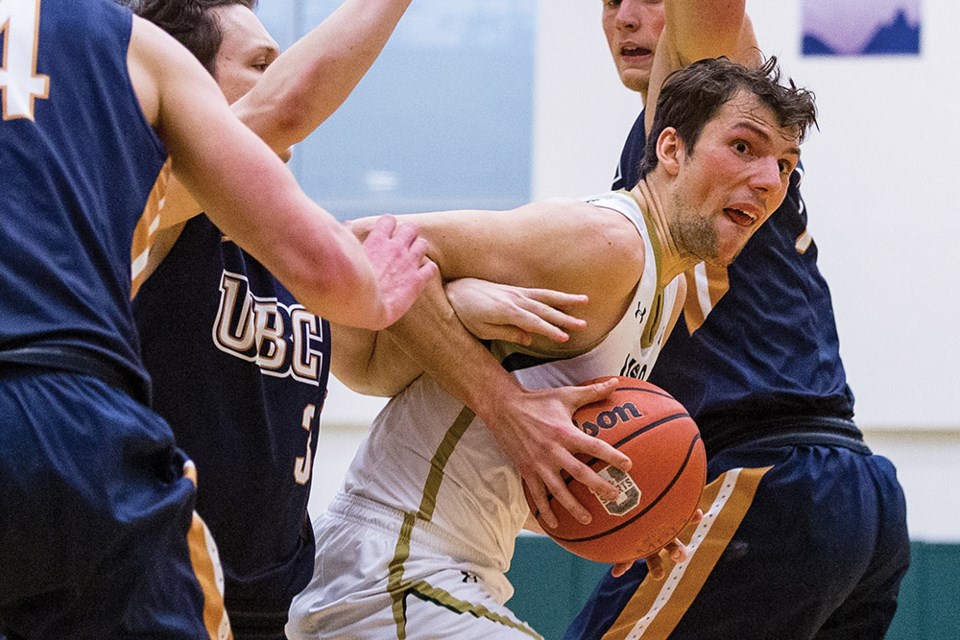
{"points": [[724, 256], [730, 245]]}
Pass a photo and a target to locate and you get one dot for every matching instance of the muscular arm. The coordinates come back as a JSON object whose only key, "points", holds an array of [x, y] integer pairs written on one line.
{"points": [[310, 80], [542, 245], [554, 244], [303, 87], [533, 428], [697, 29], [236, 178]]}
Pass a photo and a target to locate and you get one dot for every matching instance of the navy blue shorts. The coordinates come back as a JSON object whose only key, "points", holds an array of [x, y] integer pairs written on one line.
{"points": [[97, 533], [797, 542]]}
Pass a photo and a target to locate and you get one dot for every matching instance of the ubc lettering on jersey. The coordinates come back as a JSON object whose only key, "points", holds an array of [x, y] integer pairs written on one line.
{"points": [[240, 372], [284, 340]]}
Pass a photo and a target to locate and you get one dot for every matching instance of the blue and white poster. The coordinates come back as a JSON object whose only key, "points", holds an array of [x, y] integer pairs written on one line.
{"points": [[861, 27]]}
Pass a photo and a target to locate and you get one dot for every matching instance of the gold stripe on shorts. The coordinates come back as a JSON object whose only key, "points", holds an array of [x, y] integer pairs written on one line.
{"points": [[203, 557], [442, 598], [657, 606], [396, 586]]}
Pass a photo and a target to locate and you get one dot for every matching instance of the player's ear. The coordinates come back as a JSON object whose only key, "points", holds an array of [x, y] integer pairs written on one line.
{"points": [[669, 149]]}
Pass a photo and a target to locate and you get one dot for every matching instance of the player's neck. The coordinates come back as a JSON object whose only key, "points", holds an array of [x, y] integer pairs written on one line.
{"points": [[671, 261]]}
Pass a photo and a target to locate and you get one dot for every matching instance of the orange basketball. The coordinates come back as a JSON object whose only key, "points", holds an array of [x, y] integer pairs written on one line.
{"points": [[661, 491]]}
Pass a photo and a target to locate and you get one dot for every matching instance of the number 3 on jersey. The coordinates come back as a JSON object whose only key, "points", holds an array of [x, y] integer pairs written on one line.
{"points": [[303, 465], [19, 82]]}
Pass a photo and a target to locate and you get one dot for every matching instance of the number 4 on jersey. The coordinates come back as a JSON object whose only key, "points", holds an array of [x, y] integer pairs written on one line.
{"points": [[20, 84]]}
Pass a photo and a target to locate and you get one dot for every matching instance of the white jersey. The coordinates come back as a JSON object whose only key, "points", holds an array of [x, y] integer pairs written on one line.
{"points": [[433, 475]]}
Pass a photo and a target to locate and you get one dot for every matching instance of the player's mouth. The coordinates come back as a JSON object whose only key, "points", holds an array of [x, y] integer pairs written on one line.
{"points": [[635, 54], [740, 217]]}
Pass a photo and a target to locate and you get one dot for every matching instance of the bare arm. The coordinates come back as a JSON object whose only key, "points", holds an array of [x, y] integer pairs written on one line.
{"points": [[534, 428], [553, 244], [236, 179], [310, 80], [301, 89], [697, 29]]}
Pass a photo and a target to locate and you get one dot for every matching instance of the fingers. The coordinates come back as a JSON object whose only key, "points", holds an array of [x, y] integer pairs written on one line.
{"points": [[385, 225], [409, 235], [538, 311], [532, 322], [596, 447], [620, 568], [427, 270], [676, 550], [594, 392], [542, 503], [549, 305], [584, 474], [655, 567], [555, 298], [560, 491]]}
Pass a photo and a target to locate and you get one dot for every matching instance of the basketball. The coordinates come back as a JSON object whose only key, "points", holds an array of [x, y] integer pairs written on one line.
{"points": [[661, 491]]}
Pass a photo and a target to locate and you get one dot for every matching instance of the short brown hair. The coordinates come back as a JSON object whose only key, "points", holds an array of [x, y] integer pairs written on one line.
{"points": [[191, 23], [691, 97]]}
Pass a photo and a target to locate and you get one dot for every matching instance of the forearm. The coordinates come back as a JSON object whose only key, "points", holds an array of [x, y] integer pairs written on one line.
{"points": [[370, 362], [310, 80], [432, 335], [698, 29]]}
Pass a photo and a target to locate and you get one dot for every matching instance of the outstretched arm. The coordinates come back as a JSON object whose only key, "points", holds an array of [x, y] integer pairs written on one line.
{"points": [[311, 79], [305, 84], [698, 29], [236, 178]]}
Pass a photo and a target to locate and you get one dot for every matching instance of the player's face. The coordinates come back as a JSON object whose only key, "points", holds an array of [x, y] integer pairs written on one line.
{"points": [[736, 177], [633, 28], [246, 51]]}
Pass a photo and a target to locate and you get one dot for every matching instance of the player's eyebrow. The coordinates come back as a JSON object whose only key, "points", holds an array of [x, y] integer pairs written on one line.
{"points": [[266, 49], [762, 133]]}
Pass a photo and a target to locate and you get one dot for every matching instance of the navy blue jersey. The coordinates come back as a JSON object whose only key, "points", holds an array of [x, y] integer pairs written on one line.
{"points": [[98, 535], [74, 183], [240, 372], [757, 339]]}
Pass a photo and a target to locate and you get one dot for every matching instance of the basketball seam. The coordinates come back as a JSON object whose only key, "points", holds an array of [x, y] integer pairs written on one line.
{"points": [[646, 509], [567, 478]]}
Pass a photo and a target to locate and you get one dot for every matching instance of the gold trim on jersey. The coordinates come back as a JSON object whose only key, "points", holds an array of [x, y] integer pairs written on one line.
{"points": [[706, 284], [652, 325], [656, 606], [146, 229]]}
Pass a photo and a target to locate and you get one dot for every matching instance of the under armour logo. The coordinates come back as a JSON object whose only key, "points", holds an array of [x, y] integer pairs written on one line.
{"points": [[641, 312]]}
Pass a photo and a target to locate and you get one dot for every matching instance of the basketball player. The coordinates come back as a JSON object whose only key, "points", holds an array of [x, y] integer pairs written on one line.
{"points": [[805, 530], [257, 387], [96, 507], [416, 543], [247, 408]]}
